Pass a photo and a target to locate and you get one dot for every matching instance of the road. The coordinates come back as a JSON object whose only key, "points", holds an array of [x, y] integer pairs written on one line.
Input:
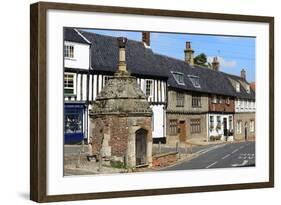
{"points": [[221, 156]]}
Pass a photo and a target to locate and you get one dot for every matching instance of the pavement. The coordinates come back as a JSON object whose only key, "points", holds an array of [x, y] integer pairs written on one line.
{"points": [[227, 155]]}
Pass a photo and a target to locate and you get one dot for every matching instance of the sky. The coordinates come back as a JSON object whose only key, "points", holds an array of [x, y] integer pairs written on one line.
{"points": [[234, 53]]}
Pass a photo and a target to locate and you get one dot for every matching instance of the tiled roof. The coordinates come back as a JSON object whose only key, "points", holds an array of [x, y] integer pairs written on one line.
{"points": [[71, 34]]}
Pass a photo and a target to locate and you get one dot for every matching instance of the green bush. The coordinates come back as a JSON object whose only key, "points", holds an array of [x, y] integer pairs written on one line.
{"points": [[117, 164], [215, 138]]}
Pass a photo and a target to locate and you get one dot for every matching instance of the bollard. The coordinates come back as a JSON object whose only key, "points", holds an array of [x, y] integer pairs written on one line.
{"points": [[179, 151], [83, 148], [177, 146], [100, 162], [78, 160], [159, 147]]}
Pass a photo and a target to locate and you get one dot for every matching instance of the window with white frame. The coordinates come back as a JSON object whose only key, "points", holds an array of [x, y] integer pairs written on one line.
{"points": [[248, 88], [252, 125], [230, 119], [178, 77], [237, 87], [148, 88], [69, 51], [214, 99], [239, 127], [69, 88], [218, 122], [211, 122], [227, 100], [195, 80], [220, 99]]}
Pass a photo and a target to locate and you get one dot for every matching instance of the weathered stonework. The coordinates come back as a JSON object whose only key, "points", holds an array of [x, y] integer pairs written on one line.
{"points": [[185, 114], [121, 120], [245, 119], [190, 137]]}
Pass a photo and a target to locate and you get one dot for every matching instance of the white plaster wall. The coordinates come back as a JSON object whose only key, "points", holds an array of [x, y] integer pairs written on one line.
{"points": [[242, 105], [214, 132], [158, 121], [81, 56]]}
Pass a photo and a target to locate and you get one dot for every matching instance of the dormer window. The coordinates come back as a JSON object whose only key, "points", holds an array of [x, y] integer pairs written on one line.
{"points": [[69, 51], [214, 99], [195, 81], [237, 87], [178, 77], [248, 88]]}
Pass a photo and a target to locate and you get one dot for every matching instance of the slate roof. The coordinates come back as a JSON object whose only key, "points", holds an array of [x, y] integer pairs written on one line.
{"points": [[139, 59], [243, 93], [71, 34], [210, 81], [143, 61]]}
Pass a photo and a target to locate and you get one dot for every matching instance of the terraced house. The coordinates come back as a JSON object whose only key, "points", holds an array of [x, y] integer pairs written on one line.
{"points": [[189, 102], [244, 119], [200, 101]]}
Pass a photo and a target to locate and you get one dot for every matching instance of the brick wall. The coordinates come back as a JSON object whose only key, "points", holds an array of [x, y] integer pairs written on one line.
{"points": [[164, 159], [222, 107]]}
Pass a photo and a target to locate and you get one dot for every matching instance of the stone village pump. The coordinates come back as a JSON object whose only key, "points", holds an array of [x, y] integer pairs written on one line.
{"points": [[120, 119]]}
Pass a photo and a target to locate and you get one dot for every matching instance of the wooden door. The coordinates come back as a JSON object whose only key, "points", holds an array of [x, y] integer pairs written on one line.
{"points": [[182, 126], [141, 144]]}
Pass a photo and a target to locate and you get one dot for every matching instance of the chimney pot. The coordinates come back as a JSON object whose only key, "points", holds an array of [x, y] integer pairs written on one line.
{"points": [[243, 74], [146, 38], [188, 53], [215, 64], [187, 45]]}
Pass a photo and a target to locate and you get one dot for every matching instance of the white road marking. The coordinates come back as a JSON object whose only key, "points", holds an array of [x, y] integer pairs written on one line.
{"points": [[236, 150], [226, 156], [204, 151], [211, 165], [242, 147], [239, 165]]}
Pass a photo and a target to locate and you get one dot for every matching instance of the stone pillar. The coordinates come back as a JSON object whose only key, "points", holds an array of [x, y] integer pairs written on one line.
{"points": [[122, 54]]}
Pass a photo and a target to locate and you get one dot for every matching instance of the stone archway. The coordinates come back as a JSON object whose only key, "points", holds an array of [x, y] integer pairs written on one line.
{"points": [[141, 147]]}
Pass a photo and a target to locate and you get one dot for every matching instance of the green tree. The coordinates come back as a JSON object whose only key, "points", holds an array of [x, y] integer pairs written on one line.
{"points": [[201, 60]]}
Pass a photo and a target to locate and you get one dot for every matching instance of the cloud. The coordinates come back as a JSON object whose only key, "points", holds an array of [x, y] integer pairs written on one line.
{"points": [[223, 62]]}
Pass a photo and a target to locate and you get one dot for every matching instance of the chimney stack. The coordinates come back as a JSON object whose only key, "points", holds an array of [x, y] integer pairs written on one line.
{"points": [[243, 74], [215, 64], [146, 38], [122, 54], [188, 54]]}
